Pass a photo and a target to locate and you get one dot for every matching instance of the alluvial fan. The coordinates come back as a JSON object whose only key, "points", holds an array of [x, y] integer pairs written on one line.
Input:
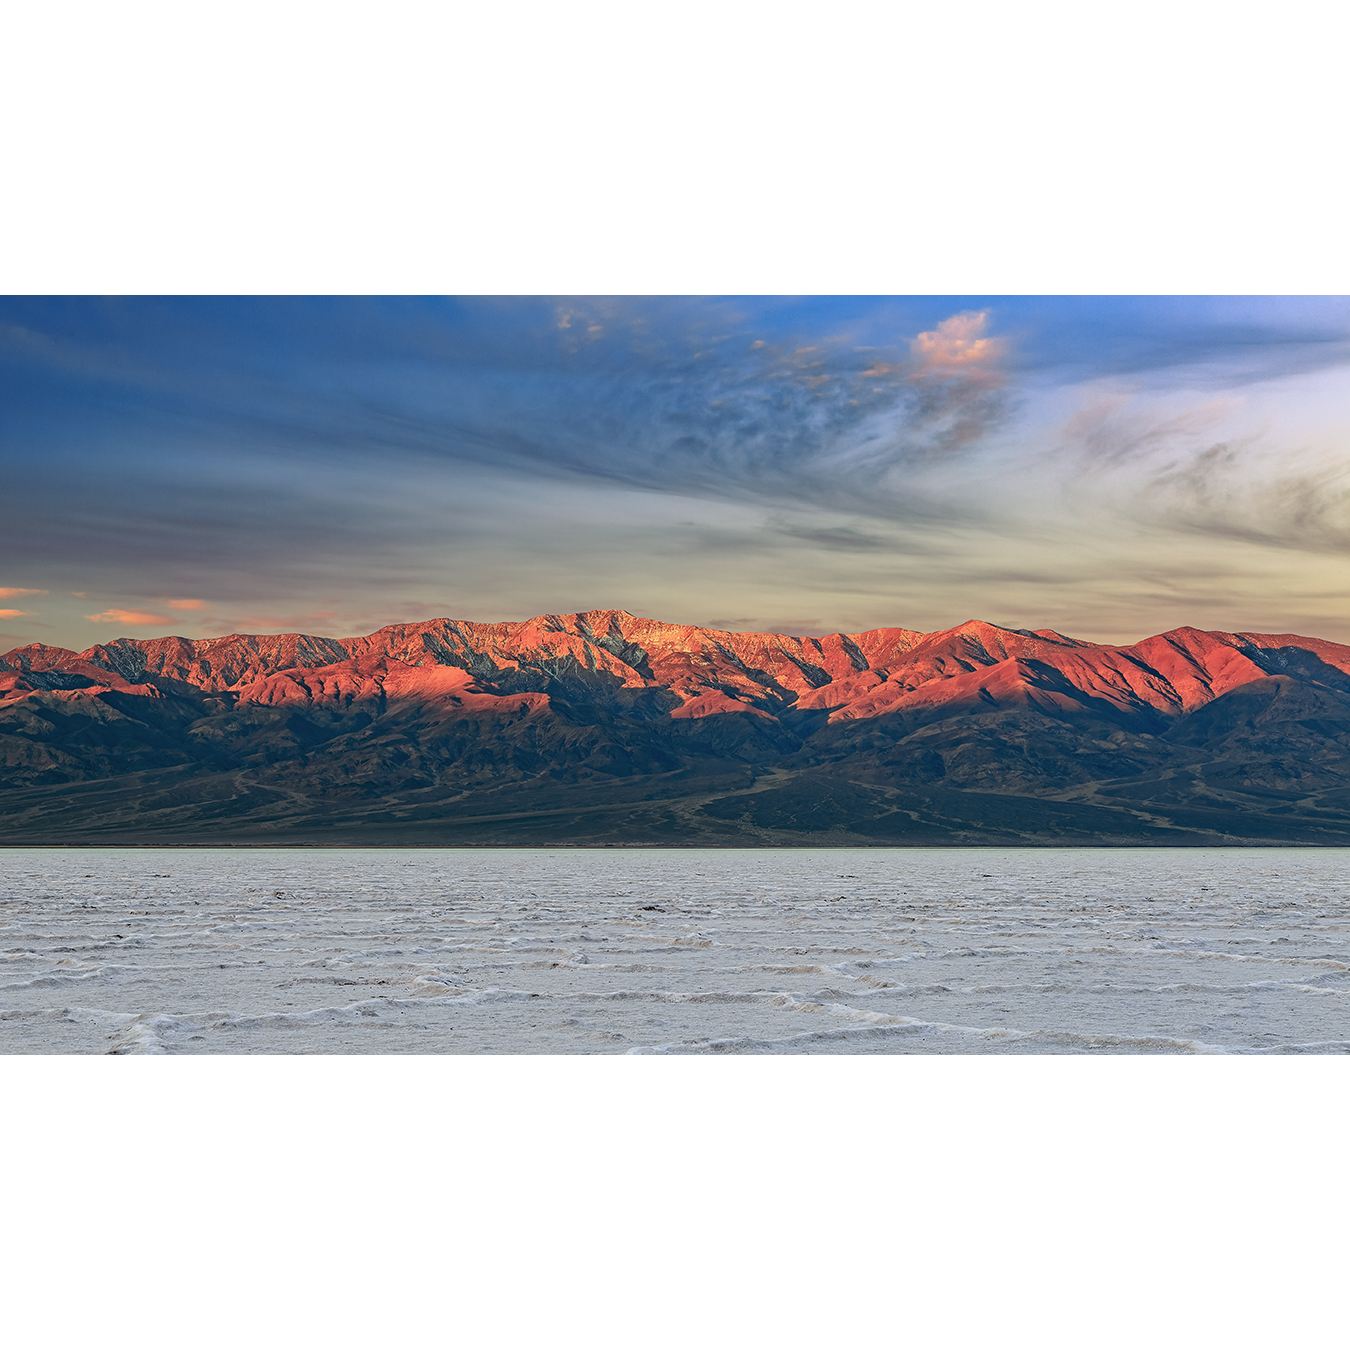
{"points": [[688, 951]]}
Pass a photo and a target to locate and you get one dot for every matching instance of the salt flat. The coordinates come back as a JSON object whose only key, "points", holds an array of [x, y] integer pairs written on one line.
{"points": [[683, 951]]}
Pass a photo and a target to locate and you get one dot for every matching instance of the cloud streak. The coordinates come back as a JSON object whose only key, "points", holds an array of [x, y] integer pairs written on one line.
{"points": [[129, 618]]}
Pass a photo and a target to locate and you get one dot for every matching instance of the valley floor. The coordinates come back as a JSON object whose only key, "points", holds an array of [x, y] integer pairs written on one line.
{"points": [[679, 951]]}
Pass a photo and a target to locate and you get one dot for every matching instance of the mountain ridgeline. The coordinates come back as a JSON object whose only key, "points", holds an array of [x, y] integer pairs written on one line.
{"points": [[603, 728]]}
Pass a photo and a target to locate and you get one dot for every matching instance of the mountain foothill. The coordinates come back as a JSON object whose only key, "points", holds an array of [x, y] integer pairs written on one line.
{"points": [[601, 728]]}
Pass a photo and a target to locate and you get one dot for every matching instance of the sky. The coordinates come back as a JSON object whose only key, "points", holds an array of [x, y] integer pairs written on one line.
{"points": [[1107, 467]]}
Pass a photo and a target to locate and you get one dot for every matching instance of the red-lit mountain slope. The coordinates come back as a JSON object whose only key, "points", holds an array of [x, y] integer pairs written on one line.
{"points": [[601, 726]]}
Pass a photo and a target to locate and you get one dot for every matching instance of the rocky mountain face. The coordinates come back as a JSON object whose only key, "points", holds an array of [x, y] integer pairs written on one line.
{"points": [[602, 727]]}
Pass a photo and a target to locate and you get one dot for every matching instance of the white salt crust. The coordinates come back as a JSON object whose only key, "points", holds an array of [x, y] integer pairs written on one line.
{"points": [[674, 951]]}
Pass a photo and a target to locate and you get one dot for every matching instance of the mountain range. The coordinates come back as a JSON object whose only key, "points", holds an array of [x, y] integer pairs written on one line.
{"points": [[603, 728]]}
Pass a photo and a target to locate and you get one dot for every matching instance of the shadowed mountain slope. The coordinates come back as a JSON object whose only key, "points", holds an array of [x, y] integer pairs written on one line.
{"points": [[601, 727]]}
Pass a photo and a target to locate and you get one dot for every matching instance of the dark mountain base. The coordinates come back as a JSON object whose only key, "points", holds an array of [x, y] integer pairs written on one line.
{"points": [[738, 810]]}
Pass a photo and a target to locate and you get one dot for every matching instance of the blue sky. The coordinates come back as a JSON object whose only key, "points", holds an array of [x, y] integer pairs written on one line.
{"points": [[1109, 467]]}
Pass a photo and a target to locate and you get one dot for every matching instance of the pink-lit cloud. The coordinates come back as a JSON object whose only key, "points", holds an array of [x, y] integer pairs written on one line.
{"points": [[8, 592], [187, 604], [129, 618], [15, 613], [957, 345]]}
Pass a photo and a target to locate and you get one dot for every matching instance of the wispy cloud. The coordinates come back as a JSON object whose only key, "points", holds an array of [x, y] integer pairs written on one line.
{"points": [[1223, 490], [14, 613], [187, 604], [9, 592], [1226, 466], [837, 537], [721, 415]]}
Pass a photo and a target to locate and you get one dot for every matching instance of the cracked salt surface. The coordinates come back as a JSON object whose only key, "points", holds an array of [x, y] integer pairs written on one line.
{"points": [[679, 951]]}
